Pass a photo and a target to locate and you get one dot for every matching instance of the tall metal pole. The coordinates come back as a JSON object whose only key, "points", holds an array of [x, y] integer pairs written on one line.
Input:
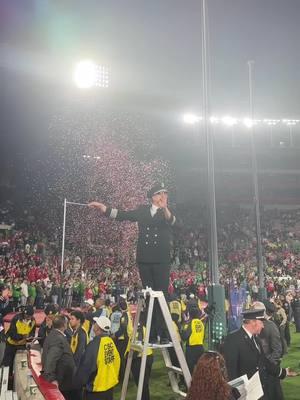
{"points": [[62, 253], [213, 237], [216, 294], [262, 291]]}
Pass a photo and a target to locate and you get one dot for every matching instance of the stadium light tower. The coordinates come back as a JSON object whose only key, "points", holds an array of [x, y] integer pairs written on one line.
{"points": [[87, 74]]}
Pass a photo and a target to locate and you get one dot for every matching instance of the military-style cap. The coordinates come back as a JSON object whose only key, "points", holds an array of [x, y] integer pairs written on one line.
{"points": [[158, 188], [254, 314], [270, 307]]}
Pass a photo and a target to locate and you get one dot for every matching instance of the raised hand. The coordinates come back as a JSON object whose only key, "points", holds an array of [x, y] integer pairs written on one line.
{"points": [[99, 206]]}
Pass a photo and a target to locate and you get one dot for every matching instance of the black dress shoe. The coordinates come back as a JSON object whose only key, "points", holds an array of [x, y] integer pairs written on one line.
{"points": [[153, 340]]}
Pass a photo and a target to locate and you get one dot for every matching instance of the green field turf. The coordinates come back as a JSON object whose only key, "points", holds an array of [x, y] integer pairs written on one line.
{"points": [[160, 389]]}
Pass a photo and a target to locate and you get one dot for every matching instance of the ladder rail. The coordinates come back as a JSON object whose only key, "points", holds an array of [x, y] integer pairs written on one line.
{"points": [[144, 346], [130, 355], [145, 349], [176, 344]]}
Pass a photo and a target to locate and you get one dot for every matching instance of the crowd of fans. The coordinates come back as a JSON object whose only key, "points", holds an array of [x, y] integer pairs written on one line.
{"points": [[30, 277], [29, 263]]}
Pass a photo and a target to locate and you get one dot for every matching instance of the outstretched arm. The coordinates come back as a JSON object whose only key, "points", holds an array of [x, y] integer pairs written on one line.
{"points": [[114, 213]]}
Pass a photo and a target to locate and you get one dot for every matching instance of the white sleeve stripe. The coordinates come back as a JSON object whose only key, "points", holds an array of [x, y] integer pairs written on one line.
{"points": [[173, 220], [113, 213]]}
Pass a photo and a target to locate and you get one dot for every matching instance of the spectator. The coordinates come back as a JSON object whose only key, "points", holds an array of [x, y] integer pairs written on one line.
{"points": [[58, 364], [209, 379]]}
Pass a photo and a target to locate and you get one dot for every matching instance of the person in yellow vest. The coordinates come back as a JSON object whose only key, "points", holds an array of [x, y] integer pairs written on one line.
{"points": [[183, 302], [21, 331], [88, 310], [137, 359], [193, 335], [78, 339], [78, 336], [123, 334], [175, 307], [99, 367]]}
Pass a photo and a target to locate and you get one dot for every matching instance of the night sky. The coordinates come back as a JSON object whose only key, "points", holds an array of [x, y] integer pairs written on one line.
{"points": [[153, 49]]}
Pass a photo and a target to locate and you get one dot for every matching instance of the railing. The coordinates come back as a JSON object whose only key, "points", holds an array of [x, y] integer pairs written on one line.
{"points": [[48, 390]]}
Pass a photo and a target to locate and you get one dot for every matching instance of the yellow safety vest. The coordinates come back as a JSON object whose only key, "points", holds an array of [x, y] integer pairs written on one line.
{"points": [[177, 331], [197, 335], [175, 308], [23, 328], [86, 326], [74, 341], [183, 305], [129, 326], [108, 366]]}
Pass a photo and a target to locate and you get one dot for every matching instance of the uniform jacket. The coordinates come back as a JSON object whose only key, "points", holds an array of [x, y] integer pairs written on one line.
{"points": [[154, 241], [271, 341], [242, 357], [57, 360]]}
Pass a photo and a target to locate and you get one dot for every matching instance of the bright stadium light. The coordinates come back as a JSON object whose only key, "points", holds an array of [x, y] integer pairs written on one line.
{"points": [[229, 121], [88, 74], [290, 122], [214, 120], [271, 122], [191, 119], [248, 122]]}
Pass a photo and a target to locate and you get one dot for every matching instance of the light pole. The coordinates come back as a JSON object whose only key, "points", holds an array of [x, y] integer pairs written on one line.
{"points": [[261, 290]]}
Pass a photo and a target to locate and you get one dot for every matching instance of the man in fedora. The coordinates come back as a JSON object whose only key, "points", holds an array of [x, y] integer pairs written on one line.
{"points": [[154, 244]]}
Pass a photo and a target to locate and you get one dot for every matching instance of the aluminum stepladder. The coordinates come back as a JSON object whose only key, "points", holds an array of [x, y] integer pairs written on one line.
{"points": [[136, 345]]}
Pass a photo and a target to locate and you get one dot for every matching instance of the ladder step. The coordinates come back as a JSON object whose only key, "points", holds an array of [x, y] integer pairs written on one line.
{"points": [[175, 369], [182, 394], [138, 346]]}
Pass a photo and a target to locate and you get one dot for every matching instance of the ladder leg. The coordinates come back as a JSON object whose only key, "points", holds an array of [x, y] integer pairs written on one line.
{"points": [[176, 344], [130, 355], [145, 349]]}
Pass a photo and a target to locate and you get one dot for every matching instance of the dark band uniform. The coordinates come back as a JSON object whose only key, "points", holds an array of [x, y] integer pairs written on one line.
{"points": [[153, 248], [245, 356], [99, 368]]}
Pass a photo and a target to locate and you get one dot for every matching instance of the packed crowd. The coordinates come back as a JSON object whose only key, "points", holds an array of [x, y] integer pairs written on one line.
{"points": [[30, 277], [29, 262]]}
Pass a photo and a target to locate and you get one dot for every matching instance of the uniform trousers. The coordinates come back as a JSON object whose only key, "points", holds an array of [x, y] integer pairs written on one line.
{"points": [[121, 345], [272, 389], [156, 276], [193, 353], [135, 369]]}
